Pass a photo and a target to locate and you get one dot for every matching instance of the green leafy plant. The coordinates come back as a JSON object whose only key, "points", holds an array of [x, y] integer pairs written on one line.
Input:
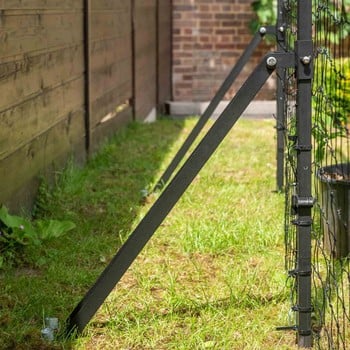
{"points": [[17, 232], [331, 21], [331, 104], [266, 14]]}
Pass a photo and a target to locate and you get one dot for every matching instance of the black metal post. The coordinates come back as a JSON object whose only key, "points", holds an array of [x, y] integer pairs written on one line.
{"points": [[172, 193], [242, 61], [303, 201], [280, 96]]}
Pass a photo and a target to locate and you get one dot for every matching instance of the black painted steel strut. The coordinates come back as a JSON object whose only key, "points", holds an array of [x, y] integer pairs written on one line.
{"points": [[94, 298]]}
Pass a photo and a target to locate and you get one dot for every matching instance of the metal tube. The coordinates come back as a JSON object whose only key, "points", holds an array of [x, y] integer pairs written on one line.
{"points": [[303, 49], [280, 101]]}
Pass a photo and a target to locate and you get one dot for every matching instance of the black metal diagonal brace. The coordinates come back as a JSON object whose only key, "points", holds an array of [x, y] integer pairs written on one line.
{"points": [[220, 94], [94, 298]]}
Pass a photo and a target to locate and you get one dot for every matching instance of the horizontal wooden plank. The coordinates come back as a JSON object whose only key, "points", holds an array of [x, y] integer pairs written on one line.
{"points": [[144, 5], [110, 24], [109, 51], [29, 120], [30, 33], [105, 130], [41, 4], [109, 102], [109, 77], [35, 158], [24, 78], [103, 5]]}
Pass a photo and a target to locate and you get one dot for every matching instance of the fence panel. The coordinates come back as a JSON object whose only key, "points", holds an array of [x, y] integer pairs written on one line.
{"points": [[42, 92], [331, 171], [110, 65], [331, 102], [71, 73]]}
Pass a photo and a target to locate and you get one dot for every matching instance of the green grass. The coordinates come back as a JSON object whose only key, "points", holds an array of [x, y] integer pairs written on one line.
{"points": [[212, 277]]}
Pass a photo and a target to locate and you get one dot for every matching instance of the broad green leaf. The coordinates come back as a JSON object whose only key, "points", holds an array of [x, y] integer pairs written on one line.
{"points": [[54, 228]]}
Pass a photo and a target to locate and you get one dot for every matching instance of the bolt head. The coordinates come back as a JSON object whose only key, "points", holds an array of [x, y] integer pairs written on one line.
{"points": [[306, 59], [271, 62], [281, 29], [262, 30]]}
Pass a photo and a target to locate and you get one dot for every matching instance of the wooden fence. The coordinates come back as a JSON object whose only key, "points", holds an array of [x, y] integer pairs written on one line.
{"points": [[71, 73]]}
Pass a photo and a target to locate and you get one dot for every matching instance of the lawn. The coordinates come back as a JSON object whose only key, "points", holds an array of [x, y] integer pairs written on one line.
{"points": [[212, 277]]}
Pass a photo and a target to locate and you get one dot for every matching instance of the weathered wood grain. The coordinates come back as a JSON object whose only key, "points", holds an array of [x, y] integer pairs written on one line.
{"points": [[42, 75], [34, 158], [41, 4], [27, 33], [145, 51], [110, 60], [28, 120], [48, 54], [32, 75]]}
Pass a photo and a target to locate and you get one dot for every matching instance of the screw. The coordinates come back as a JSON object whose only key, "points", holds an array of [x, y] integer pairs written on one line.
{"points": [[262, 30], [306, 59], [271, 62], [281, 29]]}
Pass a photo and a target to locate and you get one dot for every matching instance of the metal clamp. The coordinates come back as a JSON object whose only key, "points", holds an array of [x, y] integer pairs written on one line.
{"points": [[302, 202], [301, 309], [303, 148], [304, 333], [304, 222], [295, 273]]}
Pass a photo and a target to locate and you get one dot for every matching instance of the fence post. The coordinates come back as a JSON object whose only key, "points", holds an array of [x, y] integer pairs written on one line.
{"points": [[303, 201], [87, 63], [280, 115], [133, 57]]}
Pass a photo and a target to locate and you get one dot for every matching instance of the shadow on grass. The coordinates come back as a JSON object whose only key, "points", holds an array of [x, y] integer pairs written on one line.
{"points": [[104, 199]]}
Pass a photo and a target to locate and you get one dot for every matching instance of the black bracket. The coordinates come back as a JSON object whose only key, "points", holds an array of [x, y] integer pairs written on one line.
{"points": [[303, 222], [304, 333], [287, 328], [303, 148], [304, 59], [296, 273], [302, 202], [306, 310], [267, 30], [296, 329]]}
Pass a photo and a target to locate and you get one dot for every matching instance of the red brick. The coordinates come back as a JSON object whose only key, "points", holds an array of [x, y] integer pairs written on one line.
{"points": [[208, 38]]}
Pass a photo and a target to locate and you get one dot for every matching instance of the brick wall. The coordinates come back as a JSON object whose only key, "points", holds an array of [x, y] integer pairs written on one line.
{"points": [[208, 38]]}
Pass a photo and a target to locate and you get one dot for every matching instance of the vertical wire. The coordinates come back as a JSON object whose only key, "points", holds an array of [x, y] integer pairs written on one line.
{"points": [[331, 271]]}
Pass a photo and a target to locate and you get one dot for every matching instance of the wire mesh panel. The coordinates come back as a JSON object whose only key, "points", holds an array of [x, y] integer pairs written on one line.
{"points": [[331, 171], [331, 231]]}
